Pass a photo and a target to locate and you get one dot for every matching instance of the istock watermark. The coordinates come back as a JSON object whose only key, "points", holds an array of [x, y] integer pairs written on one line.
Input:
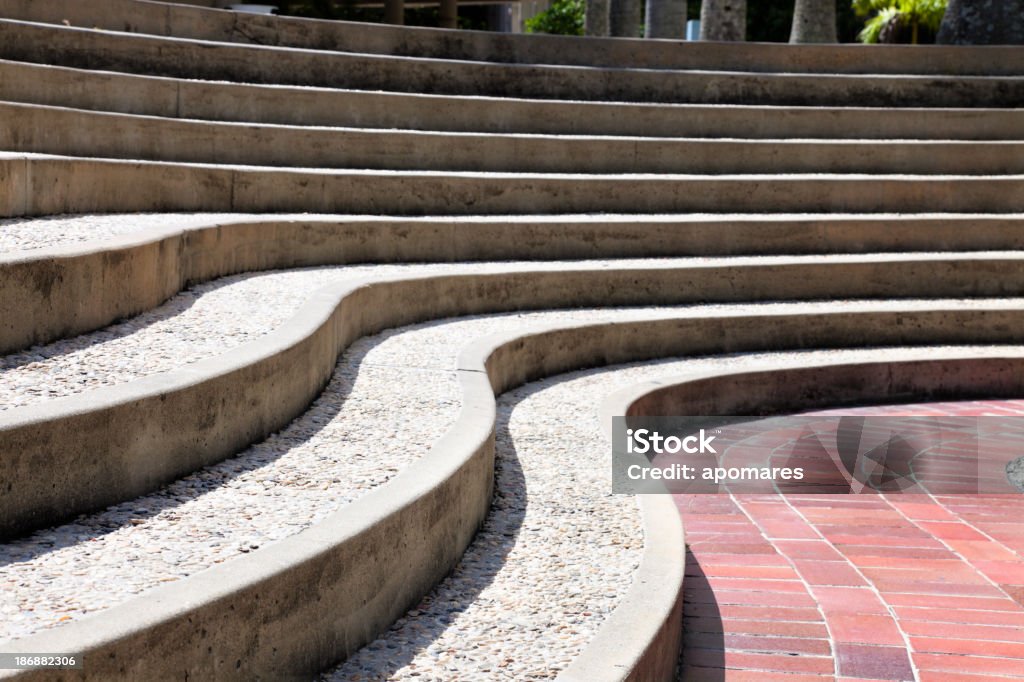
{"points": [[818, 454]]}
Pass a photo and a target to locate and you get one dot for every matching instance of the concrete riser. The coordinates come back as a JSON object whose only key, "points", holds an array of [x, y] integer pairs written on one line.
{"points": [[51, 185], [76, 290], [175, 98], [45, 44], [80, 133]]}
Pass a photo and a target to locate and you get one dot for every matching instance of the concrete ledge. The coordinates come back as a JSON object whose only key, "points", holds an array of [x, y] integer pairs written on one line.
{"points": [[294, 608], [937, 376], [83, 452], [133, 53], [53, 293], [643, 636], [166, 19], [297, 606], [74, 185], [179, 98], [76, 132]]}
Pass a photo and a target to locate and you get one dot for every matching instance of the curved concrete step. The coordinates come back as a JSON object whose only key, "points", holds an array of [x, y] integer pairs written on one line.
{"points": [[242, 612], [220, 101], [34, 184], [75, 132], [75, 288], [133, 53], [166, 19], [155, 429]]}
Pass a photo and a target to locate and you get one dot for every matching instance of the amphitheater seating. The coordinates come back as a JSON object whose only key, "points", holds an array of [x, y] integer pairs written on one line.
{"points": [[706, 199]]}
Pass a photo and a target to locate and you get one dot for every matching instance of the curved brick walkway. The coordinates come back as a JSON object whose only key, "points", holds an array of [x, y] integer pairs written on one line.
{"points": [[856, 587]]}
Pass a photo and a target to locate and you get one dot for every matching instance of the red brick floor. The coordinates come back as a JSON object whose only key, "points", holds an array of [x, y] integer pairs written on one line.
{"points": [[856, 587]]}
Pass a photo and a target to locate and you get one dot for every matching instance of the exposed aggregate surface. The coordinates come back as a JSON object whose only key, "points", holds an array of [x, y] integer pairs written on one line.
{"points": [[555, 556]]}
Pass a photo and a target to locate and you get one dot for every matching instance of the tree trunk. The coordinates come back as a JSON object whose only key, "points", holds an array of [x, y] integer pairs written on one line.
{"points": [[624, 18], [449, 14], [595, 20], [723, 20], [983, 22], [394, 12], [814, 21], [665, 19]]}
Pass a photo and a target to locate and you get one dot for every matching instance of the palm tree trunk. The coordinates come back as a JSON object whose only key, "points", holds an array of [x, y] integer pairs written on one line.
{"points": [[449, 14], [394, 12], [814, 21], [723, 20], [595, 19], [983, 22], [624, 18], [665, 19]]}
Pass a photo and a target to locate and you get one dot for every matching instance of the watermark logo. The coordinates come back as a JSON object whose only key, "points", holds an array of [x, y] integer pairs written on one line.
{"points": [[818, 454], [645, 441]]}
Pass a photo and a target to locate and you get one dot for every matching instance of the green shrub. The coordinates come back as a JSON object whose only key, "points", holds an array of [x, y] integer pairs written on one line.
{"points": [[893, 19], [564, 17]]}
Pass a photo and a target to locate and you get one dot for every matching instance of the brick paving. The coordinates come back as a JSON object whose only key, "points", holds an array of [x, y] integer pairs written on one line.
{"points": [[856, 587]]}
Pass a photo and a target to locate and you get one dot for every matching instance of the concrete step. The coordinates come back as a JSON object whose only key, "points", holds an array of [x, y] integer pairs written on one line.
{"points": [[173, 20], [249, 609], [75, 286], [333, 578], [75, 132], [36, 185], [133, 53], [220, 101], [159, 427]]}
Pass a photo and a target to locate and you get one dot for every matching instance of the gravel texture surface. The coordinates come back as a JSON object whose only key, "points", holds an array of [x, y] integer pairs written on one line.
{"points": [[216, 316], [20, 234], [198, 323], [391, 397]]}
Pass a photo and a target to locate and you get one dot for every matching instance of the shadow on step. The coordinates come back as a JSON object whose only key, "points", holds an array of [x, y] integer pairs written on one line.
{"points": [[422, 625], [166, 311], [170, 506], [702, 658]]}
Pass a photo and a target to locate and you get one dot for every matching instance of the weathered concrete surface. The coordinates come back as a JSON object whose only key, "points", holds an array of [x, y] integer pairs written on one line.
{"points": [[133, 53], [59, 292], [74, 132], [205, 24], [290, 610], [178, 98], [46, 185]]}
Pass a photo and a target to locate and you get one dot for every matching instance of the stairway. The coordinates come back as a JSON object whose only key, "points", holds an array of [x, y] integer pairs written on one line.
{"points": [[264, 282]]}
